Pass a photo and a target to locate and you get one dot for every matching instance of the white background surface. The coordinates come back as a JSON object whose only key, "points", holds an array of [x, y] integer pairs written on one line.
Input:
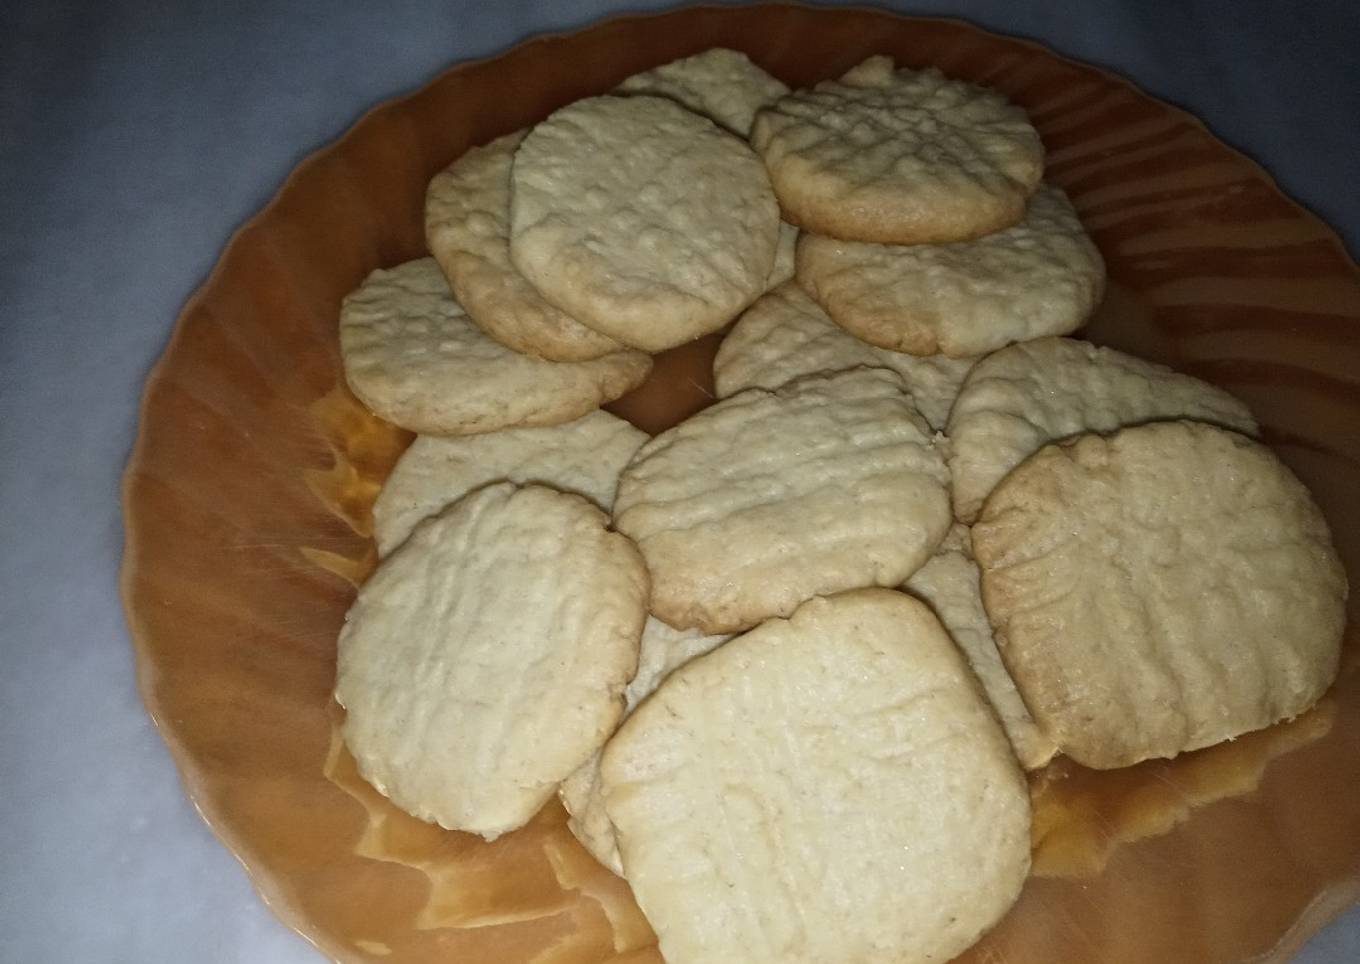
{"points": [[134, 136]]}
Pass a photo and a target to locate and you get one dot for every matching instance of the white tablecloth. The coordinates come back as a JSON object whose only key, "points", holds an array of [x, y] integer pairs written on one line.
{"points": [[134, 136]]}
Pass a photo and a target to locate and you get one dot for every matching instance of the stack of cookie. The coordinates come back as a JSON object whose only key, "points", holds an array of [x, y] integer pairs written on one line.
{"points": [[786, 662], [562, 256]]}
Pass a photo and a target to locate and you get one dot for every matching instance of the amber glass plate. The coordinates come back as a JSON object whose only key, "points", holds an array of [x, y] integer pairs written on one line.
{"points": [[248, 497]]}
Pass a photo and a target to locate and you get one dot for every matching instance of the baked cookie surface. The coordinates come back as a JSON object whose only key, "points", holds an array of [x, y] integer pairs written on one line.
{"points": [[766, 499], [899, 156], [786, 335], [948, 583], [1041, 276], [412, 355], [722, 85], [1159, 590], [467, 226], [642, 219], [1019, 399], [584, 456], [827, 788], [486, 658], [662, 650]]}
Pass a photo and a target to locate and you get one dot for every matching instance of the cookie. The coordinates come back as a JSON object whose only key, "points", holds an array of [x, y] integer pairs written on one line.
{"points": [[766, 499], [584, 456], [828, 788], [1019, 399], [948, 583], [899, 157], [486, 658], [641, 219], [586, 816], [786, 335], [1159, 590], [467, 226], [663, 649], [1042, 276], [722, 85], [413, 356], [785, 257]]}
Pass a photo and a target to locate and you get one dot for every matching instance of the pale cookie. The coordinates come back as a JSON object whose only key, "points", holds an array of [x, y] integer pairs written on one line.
{"points": [[899, 157], [641, 219], [663, 650], [1041, 277], [948, 582], [1159, 590], [769, 498], [486, 658], [785, 257], [830, 788], [467, 226], [413, 356], [728, 89], [786, 335], [584, 456], [1021, 398], [586, 817], [723, 85]]}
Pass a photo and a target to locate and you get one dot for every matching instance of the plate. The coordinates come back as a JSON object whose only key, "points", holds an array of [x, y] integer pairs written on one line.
{"points": [[247, 506]]}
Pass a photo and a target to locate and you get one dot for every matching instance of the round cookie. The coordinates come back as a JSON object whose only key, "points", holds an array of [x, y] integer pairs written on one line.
{"points": [[723, 85], [1021, 398], [486, 658], [663, 649], [948, 582], [830, 788], [766, 499], [899, 157], [786, 335], [413, 356], [584, 456], [1042, 276], [641, 219], [1159, 590], [467, 226]]}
